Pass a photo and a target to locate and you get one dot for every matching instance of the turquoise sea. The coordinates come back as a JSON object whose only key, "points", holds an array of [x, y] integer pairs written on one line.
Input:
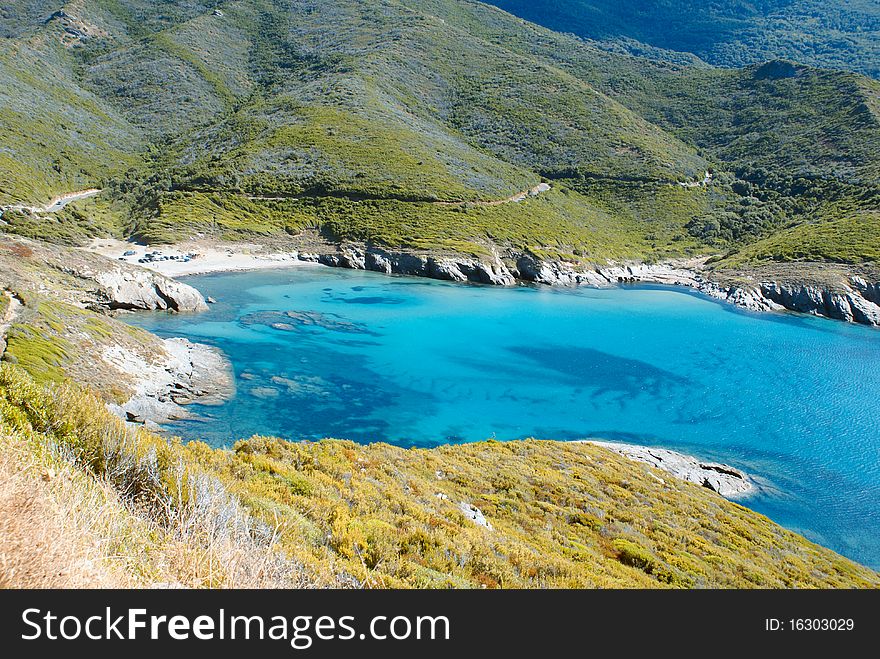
{"points": [[322, 352]]}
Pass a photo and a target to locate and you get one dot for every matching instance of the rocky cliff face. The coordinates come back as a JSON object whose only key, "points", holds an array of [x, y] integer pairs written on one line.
{"points": [[849, 304], [870, 292], [857, 300], [450, 268]]}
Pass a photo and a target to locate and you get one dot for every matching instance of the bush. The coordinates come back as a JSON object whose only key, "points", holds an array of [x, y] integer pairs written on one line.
{"points": [[629, 553]]}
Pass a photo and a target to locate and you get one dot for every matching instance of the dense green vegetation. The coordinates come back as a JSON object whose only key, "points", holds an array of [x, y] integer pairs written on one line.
{"points": [[559, 224], [56, 135], [840, 34], [264, 118], [854, 239], [75, 224], [561, 514]]}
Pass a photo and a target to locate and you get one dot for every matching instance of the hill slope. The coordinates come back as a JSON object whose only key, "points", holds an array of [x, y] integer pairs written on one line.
{"points": [[332, 513], [839, 34], [261, 119]]}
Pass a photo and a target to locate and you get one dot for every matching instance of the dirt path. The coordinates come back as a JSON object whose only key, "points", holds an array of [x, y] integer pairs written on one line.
{"points": [[512, 199], [57, 203], [60, 202]]}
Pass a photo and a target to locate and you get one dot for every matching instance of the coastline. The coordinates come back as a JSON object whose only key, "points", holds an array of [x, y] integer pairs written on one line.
{"points": [[236, 257], [727, 481], [824, 290]]}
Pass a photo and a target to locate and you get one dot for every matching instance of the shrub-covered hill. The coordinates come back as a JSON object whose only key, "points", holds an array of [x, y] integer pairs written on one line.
{"points": [[207, 117], [269, 512], [840, 34]]}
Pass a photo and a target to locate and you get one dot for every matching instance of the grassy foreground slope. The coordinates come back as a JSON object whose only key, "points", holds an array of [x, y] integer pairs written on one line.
{"points": [[86, 503], [269, 512]]}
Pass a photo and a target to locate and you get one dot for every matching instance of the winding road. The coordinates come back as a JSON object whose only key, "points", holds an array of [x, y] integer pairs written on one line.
{"points": [[513, 199]]}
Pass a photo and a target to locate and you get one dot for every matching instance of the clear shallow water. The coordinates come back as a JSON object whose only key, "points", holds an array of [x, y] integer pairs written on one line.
{"points": [[324, 352]]}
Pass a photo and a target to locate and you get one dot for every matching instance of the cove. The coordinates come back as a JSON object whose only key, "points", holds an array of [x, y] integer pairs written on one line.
{"points": [[322, 352]]}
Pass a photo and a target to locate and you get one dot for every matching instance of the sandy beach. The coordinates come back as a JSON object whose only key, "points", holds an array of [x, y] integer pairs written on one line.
{"points": [[208, 257]]}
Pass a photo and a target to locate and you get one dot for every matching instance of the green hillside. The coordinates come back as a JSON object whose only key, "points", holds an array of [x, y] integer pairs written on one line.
{"points": [[442, 127], [256, 119], [840, 34], [789, 144], [56, 135]]}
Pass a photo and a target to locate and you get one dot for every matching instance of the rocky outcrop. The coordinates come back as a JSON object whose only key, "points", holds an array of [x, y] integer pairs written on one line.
{"points": [[557, 273], [12, 305], [87, 279], [446, 270], [869, 291], [452, 268], [185, 373], [845, 304], [378, 262], [474, 514], [141, 289], [531, 269], [727, 481]]}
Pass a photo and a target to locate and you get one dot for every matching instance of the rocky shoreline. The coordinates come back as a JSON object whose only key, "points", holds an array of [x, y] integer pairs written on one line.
{"points": [[196, 373], [840, 292], [853, 298], [727, 481], [186, 373]]}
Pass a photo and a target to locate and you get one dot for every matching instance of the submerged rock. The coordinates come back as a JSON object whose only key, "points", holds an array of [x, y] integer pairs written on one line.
{"points": [[291, 321], [265, 392]]}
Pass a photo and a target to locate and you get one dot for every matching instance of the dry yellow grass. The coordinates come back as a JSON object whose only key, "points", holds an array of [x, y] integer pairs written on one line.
{"points": [[64, 524], [54, 527]]}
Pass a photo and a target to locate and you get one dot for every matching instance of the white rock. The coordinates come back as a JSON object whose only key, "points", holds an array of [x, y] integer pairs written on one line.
{"points": [[185, 373], [474, 514], [143, 289], [725, 480]]}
